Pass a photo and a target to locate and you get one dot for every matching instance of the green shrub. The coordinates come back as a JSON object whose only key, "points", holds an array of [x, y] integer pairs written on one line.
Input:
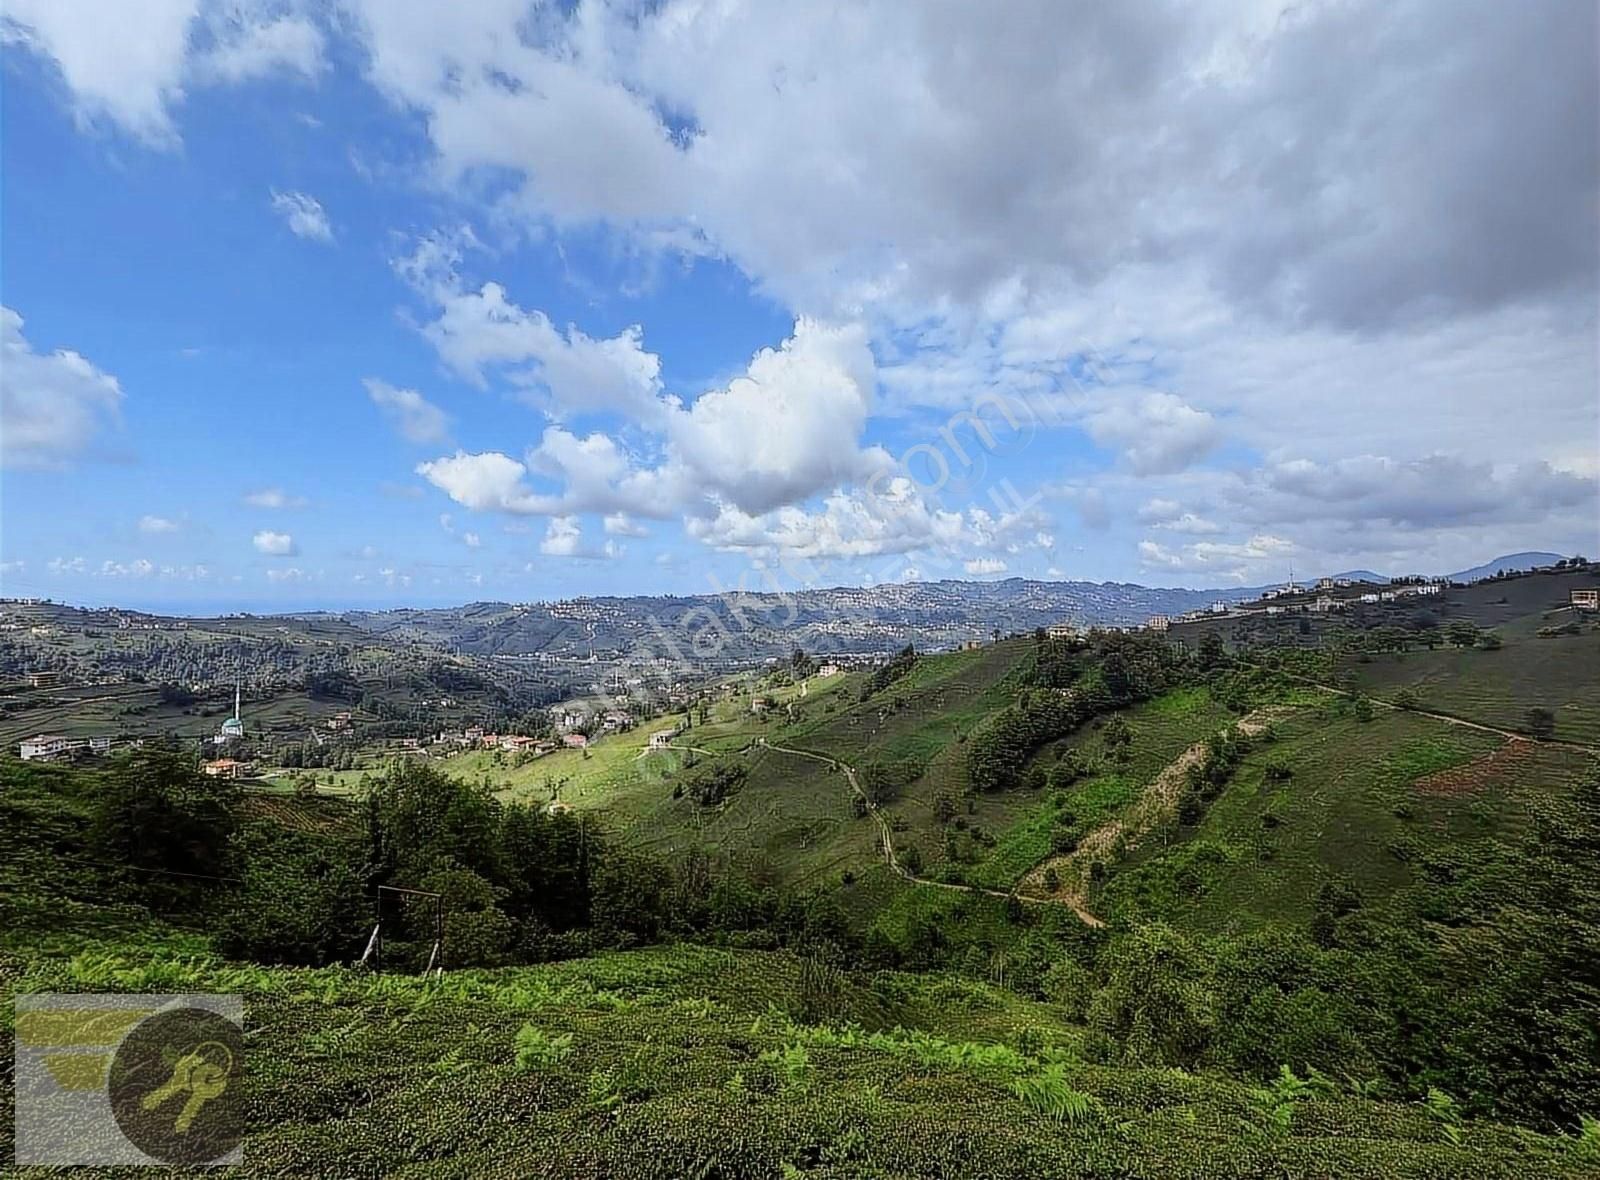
{"points": [[536, 1048]]}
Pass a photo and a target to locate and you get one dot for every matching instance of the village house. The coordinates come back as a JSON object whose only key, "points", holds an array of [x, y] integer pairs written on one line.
{"points": [[339, 721], [1158, 623], [1586, 599], [226, 768], [575, 741], [53, 747], [826, 670], [43, 679], [46, 748]]}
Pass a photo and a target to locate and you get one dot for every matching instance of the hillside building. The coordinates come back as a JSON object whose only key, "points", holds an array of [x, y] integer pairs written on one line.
{"points": [[1587, 599], [55, 748], [46, 748], [226, 768]]}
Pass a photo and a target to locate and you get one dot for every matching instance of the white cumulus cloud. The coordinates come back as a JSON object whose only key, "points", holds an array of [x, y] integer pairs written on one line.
{"points": [[274, 544], [51, 405]]}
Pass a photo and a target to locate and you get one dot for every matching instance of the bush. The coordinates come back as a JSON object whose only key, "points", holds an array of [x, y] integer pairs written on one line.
{"points": [[537, 1049]]}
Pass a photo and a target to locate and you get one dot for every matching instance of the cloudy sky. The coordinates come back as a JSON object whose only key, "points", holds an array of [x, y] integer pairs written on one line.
{"points": [[389, 301]]}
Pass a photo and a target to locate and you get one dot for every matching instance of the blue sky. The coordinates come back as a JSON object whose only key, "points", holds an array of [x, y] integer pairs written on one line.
{"points": [[320, 304]]}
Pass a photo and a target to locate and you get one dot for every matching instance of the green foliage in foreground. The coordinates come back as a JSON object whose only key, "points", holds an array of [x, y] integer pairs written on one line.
{"points": [[687, 1061]]}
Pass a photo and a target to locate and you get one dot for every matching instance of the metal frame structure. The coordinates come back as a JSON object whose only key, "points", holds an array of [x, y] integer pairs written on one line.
{"points": [[373, 955]]}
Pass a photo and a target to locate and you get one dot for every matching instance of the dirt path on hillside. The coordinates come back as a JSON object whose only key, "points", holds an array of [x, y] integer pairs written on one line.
{"points": [[676, 746], [1510, 735], [886, 840], [1157, 802]]}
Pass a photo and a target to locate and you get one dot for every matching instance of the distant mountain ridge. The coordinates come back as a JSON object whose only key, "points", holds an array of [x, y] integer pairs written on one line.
{"points": [[1506, 563], [738, 627]]}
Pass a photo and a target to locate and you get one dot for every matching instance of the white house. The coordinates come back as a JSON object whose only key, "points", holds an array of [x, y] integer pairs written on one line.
{"points": [[46, 748], [828, 670], [1219, 608]]}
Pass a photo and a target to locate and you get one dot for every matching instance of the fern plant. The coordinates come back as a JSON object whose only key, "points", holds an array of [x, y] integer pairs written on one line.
{"points": [[1049, 1093], [1443, 1110], [536, 1048], [1586, 1144], [792, 1063]]}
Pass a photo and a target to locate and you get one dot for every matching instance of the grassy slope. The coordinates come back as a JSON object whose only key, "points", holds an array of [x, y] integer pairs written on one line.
{"points": [[1362, 803], [792, 815], [685, 1061], [1499, 687], [1023, 821]]}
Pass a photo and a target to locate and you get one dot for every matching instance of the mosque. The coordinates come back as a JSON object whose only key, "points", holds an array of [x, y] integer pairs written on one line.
{"points": [[233, 727]]}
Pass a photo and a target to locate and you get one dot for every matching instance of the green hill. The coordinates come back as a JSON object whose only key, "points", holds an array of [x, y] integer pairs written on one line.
{"points": [[1148, 913]]}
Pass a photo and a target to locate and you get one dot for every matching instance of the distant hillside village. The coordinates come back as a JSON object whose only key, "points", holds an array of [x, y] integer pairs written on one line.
{"points": [[323, 730]]}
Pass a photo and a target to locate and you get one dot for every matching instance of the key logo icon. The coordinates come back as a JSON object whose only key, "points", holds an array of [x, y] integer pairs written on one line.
{"points": [[174, 1087], [201, 1075]]}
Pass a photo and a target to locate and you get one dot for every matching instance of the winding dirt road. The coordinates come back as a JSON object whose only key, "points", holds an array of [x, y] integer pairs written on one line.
{"points": [[887, 840], [1510, 735]]}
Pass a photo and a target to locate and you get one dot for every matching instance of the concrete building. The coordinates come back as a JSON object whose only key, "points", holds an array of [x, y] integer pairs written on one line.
{"points": [[43, 679], [1588, 599], [226, 768], [46, 748], [1158, 623], [575, 741]]}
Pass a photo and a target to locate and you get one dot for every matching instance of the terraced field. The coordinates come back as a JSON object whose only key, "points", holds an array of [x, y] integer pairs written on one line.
{"points": [[1498, 687], [1333, 798]]}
